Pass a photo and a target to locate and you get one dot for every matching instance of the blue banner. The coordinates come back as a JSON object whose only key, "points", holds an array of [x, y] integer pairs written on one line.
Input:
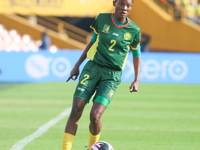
{"points": [[44, 66]]}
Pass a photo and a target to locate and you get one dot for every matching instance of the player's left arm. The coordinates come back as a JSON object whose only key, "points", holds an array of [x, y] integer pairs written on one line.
{"points": [[137, 65], [136, 51]]}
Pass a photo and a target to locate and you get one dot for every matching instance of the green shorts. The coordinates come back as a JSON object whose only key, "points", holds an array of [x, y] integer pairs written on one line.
{"points": [[102, 81]]}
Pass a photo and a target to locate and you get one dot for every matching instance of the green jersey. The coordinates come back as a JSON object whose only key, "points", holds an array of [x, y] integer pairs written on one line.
{"points": [[113, 42]]}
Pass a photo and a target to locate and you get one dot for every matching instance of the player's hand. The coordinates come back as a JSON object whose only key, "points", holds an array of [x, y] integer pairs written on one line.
{"points": [[134, 86], [74, 74]]}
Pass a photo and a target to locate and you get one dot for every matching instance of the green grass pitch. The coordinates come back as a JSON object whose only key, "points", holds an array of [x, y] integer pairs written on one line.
{"points": [[157, 117]]}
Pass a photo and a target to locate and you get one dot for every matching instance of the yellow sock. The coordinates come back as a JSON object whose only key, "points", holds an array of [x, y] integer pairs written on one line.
{"points": [[93, 139], [67, 141]]}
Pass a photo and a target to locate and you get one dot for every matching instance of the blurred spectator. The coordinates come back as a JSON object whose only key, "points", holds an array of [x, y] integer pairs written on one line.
{"points": [[198, 12], [145, 39], [190, 9], [177, 11], [46, 41], [60, 27], [171, 2], [64, 35], [62, 31]]}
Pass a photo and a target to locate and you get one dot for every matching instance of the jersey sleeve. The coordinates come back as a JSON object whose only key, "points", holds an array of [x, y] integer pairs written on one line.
{"points": [[94, 37], [136, 40], [94, 25], [136, 52], [135, 45]]}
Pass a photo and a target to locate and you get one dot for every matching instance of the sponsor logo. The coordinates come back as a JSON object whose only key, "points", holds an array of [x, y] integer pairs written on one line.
{"points": [[115, 34], [80, 89]]}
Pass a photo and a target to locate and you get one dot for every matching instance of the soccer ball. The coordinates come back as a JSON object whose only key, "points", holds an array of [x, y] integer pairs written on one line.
{"points": [[102, 145]]}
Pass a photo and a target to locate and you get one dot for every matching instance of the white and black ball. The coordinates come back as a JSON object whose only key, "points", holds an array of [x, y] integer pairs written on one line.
{"points": [[101, 145]]}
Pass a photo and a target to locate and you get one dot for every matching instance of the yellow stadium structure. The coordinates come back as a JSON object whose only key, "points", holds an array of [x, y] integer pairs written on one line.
{"points": [[167, 34]]}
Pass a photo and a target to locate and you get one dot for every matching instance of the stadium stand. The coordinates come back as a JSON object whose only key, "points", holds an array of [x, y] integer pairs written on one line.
{"points": [[186, 8], [11, 40], [167, 34], [23, 26], [198, 12], [156, 18]]}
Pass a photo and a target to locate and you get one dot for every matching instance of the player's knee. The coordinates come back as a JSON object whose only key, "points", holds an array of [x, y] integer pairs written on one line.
{"points": [[76, 112], [95, 117]]}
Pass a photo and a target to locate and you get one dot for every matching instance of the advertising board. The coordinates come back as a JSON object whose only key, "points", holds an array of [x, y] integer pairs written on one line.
{"points": [[44, 66]]}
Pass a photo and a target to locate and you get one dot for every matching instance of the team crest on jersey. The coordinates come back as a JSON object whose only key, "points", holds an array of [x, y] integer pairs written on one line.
{"points": [[106, 28], [127, 36]]}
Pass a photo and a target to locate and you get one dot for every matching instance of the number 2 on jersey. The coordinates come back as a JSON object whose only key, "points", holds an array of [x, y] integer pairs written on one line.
{"points": [[113, 42], [86, 77]]}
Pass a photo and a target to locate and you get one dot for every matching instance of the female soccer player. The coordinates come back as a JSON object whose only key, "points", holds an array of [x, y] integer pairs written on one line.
{"points": [[114, 35]]}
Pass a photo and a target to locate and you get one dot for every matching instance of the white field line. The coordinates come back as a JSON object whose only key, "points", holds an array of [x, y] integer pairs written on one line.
{"points": [[41, 130]]}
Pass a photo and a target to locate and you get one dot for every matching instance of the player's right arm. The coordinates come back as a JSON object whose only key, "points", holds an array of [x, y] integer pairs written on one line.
{"points": [[75, 71]]}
